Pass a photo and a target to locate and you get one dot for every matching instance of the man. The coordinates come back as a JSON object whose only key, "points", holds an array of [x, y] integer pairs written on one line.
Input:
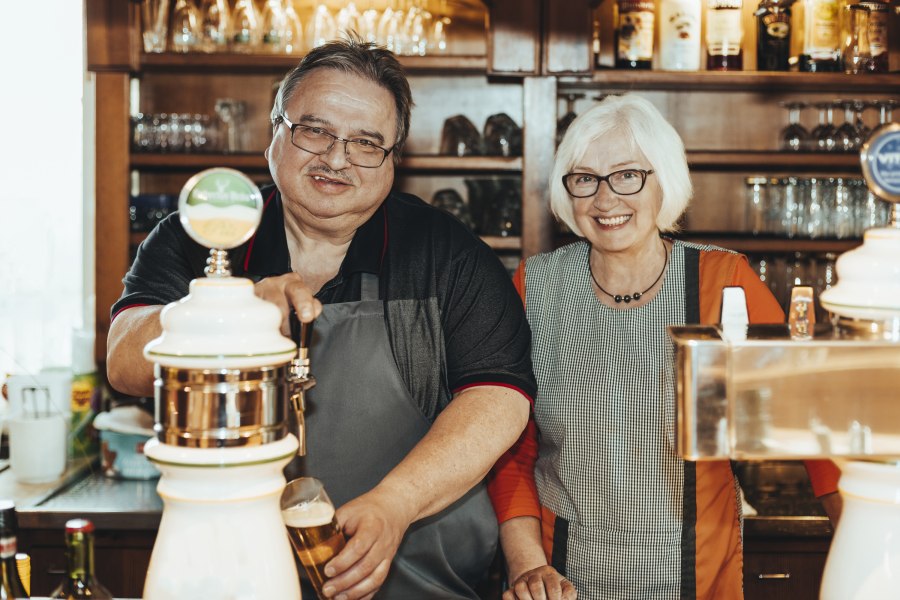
{"points": [[411, 407]]}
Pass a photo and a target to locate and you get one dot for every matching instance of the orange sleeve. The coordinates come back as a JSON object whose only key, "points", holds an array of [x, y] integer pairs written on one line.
{"points": [[511, 482], [763, 308]]}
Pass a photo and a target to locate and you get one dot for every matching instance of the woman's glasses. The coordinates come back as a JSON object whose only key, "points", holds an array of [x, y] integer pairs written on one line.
{"points": [[625, 182]]}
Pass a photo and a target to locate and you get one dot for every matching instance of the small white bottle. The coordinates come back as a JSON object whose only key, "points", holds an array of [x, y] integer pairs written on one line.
{"points": [[679, 35]]}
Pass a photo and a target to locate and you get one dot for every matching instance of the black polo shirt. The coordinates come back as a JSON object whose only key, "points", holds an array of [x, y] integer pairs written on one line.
{"points": [[453, 316]]}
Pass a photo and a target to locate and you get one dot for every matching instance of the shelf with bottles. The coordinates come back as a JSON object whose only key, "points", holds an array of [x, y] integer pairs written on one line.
{"points": [[821, 38]]}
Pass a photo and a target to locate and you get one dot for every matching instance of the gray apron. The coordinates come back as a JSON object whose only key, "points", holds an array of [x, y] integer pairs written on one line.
{"points": [[361, 422]]}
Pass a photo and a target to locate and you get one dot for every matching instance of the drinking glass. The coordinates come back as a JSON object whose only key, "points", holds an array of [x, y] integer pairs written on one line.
{"points": [[244, 27], [756, 205], [842, 210], [848, 137], [863, 131], [273, 27], [416, 28], [348, 19], [215, 21], [293, 33], [562, 125], [321, 27], [885, 110], [312, 527], [368, 24], [856, 54], [231, 113], [794, 137], [185, 27], [824, 134], [390, 28], [154, 24]]}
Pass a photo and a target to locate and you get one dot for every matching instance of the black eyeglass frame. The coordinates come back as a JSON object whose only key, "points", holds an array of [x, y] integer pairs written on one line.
{"points": [[601, 178], [294, 126]]}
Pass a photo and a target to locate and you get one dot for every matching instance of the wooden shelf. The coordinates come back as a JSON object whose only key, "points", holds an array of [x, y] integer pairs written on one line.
{"points": [[494, 241], [773, 161], [256, 162], [169, 62], [741, 242], [735, 81]]}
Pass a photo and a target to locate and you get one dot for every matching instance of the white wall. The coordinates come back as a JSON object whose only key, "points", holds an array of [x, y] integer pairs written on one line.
{"points": [[42, 147]]}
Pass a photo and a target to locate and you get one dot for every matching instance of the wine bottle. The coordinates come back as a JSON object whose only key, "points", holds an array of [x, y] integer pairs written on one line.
{"points": [[821, 36], [679, 35], [773, 37], [634, 34], [80, 581], [724, 35], [10, 583]]}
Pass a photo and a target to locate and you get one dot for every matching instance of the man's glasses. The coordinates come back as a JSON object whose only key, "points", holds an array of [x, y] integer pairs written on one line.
{"points": [[625, 182], [316, 140]]}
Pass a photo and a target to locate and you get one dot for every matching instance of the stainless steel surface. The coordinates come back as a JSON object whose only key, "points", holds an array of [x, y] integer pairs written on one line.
{"points": [[769, 396], [204, 408]]}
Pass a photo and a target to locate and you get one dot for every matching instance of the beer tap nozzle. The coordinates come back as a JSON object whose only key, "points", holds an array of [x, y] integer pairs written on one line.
{"points": [[300, 379]]}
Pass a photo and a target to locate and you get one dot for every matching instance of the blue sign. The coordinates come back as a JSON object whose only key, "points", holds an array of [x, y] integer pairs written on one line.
{"points": [[881, 162]]}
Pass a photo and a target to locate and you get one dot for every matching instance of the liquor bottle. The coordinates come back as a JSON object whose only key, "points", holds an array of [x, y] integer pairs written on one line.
{"points": [[821, 36], [80, 581], [634, 34], [10, 583], [773, 21], [679, 35], [724, 34], [879, 15]]}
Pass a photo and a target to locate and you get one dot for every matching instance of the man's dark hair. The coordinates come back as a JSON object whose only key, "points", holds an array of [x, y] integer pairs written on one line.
{"points": [[355, 56]]}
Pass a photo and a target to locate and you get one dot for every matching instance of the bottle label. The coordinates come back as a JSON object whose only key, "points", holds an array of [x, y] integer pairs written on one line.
{"points": [[723, 31], [7, 547], [777, 25], [680, 36], [822, 29], [878, 32], [635, 31]]}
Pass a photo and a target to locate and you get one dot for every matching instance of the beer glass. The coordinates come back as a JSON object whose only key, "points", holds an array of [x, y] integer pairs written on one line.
{"points": [[312, 527]]}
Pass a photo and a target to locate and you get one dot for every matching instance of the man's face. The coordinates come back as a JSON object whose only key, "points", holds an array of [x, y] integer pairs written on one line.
{"points": [[325, 192]]}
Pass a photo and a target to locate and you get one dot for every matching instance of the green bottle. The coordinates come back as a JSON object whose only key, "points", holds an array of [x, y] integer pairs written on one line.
{"points": [[80, 582], [10, 583]]}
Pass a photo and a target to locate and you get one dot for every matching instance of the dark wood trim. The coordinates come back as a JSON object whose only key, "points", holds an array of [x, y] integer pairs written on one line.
{"points": [[109, 35], [111, 214], [755, 81], [539, 146], [790, 162], [171, 62]]}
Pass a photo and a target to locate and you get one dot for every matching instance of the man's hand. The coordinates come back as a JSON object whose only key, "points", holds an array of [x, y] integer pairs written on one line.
{"points": [[374, 527], [287, 291], [542, 583]]}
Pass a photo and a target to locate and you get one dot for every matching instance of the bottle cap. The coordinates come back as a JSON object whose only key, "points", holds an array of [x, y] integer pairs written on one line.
{"points": [[79, 526]]}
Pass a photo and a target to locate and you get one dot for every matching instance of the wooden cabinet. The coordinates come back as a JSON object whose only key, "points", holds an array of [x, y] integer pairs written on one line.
{"points": [[526, 56], [784, 568]]}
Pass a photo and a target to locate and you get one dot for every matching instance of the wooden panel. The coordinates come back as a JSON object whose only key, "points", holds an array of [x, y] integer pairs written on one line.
{"points": [[514, 33], [567, 39], [540, 136], [110, 36], [791, 568], [111, 225]]}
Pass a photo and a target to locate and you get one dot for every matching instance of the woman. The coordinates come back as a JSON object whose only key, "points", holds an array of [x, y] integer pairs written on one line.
{"points": [[593, 498]]}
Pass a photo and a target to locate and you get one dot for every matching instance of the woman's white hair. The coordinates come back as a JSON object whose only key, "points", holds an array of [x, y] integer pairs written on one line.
{"points": [[649, 132]]}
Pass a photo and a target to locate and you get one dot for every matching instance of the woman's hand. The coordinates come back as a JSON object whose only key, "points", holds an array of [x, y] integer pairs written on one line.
{"points": [[542, 583]]}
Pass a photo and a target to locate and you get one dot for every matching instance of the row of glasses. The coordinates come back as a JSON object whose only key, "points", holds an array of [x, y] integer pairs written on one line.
{"points": [[781, 273], [813, 207], [825, 136], [274, 26], [172, 132]]}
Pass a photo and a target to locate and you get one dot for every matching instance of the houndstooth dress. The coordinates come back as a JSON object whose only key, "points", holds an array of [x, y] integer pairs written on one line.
{"points": [[606, 414]]}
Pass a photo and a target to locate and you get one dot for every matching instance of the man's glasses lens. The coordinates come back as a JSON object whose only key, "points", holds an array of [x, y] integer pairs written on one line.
{"points": [[359, 152], [625, 182]]}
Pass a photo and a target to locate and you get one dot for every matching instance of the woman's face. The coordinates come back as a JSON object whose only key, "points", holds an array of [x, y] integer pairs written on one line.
{"points": [[612, 222]]}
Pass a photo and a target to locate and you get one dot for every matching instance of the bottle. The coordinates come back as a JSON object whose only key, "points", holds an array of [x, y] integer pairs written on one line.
{"points": [[634, 34], [773, 22], [879, 15], [86, 393], [80, 582], [724, 34], [679, 35], [821, 36], [11, 585]]}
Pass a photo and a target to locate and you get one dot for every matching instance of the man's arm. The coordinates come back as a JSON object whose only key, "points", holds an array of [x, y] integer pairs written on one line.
{"points": [[128, 371], [467, 438]]}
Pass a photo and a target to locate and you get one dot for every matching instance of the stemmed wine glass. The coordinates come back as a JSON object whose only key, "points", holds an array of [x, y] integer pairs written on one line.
{"points": [[321, 27], [185, 27], [348, 19], [794, 137], [848, 138], [244, 27], [885, 110], [824, 133], [863, 131], [231, 113], [215, 20], [564, 121]]}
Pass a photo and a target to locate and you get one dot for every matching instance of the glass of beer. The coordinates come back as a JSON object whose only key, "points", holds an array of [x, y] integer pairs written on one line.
{"points": [[312, 527]]}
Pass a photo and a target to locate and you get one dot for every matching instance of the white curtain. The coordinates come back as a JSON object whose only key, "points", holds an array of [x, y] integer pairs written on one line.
{"points": [[43, 262]]}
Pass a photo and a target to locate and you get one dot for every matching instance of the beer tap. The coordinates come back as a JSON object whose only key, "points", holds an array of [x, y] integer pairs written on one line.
{"points": [[299, 377]]}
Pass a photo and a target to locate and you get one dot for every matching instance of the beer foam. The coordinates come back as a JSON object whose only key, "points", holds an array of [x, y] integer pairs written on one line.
{"points": [[311, 514]]}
